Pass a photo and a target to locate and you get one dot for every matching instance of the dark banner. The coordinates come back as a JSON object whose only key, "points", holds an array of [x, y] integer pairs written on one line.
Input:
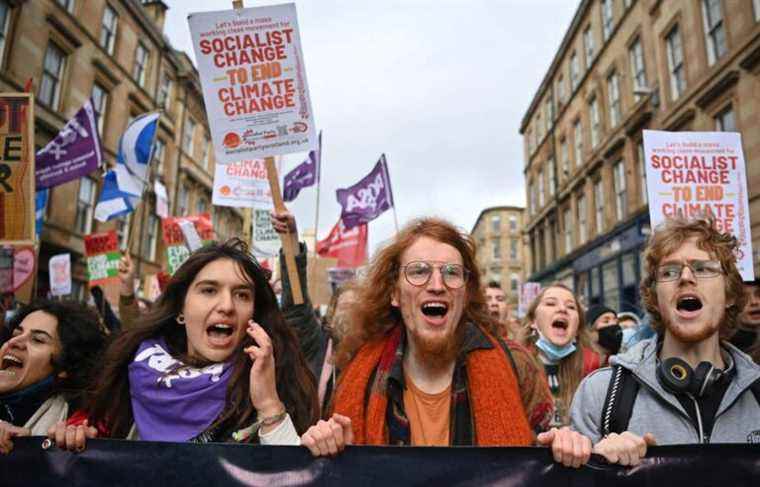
{"points": [[118, 462]]}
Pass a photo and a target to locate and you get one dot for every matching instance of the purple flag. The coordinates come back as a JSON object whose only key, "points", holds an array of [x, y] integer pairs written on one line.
{"points": [[367, 199], [304, 175], [73, 153]]}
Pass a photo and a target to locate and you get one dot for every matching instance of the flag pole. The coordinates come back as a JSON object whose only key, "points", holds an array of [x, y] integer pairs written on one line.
{"points": [[319, 182], [389, 190]]}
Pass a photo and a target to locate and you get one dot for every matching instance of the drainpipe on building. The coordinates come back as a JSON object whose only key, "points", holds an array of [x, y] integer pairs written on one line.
{"points": [[179, 150]]}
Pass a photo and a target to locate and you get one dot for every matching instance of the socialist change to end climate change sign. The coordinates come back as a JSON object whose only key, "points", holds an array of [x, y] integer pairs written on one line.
{"points": [[695, 174], [254, 82]]}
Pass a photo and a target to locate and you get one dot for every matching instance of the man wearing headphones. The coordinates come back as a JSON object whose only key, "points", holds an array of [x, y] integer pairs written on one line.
{"points": [[687, 384]]}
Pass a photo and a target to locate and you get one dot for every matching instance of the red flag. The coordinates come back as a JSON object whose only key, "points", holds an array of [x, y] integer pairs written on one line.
{"points": [[348, 246]]}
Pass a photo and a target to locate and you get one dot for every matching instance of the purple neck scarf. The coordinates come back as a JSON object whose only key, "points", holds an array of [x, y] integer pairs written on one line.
{"points": [[172, 401]]}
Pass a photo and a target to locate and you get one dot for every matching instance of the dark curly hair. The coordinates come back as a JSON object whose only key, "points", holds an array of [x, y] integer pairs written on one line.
{"points": [[81, 339], [668, 238], [295, 383]]}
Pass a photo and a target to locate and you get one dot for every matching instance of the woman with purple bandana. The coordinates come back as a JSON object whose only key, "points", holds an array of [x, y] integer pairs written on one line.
{"points": [[201, 367]]}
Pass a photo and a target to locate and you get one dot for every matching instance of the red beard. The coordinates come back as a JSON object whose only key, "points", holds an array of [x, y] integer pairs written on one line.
{"points": [[438, 352]]}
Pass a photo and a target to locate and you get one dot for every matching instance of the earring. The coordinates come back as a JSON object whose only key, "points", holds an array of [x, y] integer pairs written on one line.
{"points": [[180, 319]]}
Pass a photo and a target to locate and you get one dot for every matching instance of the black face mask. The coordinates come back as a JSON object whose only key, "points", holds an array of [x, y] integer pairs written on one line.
{"points": [[611, 338], [743, 339]]}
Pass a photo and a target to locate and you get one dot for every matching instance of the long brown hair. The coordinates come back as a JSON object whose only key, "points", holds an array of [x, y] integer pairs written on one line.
{"points": [[373, 315], [111, 404], [571, 367]]}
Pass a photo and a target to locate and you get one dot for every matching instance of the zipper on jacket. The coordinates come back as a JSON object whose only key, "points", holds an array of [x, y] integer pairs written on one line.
{"points": [[702, 437]]}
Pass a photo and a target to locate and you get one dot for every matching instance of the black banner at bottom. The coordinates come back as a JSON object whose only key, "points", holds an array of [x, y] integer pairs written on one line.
{"points": [[116, 462]]}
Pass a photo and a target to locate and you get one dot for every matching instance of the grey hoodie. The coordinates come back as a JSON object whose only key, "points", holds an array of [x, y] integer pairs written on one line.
{"points": [[657, 411]]}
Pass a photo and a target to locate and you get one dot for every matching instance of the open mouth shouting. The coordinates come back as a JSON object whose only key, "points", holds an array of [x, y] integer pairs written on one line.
{"points": [[688, 305], [435, 312], [220, 335], [559, 327], [11, 365]]}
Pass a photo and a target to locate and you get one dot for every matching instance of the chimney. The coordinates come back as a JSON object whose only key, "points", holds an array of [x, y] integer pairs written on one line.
{"points": [[157, 11]]}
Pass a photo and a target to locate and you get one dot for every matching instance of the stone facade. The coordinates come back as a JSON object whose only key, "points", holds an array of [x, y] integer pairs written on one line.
{"points": [[115, 52], [624, 66]]}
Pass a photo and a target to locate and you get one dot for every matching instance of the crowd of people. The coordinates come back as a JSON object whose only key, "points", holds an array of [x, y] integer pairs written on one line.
{"points": [[418, 352]]}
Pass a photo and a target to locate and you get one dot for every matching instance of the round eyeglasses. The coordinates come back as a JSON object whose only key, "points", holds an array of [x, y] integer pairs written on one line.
{"points": [[701, 269], [418, 273]]}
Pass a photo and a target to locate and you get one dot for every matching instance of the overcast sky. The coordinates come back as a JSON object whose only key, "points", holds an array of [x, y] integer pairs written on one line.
{"points": [[439, 86]]}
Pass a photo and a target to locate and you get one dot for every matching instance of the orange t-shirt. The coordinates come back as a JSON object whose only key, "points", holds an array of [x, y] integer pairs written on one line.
{"points": [[428, 415]]}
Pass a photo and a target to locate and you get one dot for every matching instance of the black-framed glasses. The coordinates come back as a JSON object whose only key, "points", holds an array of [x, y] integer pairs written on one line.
{"points": [[418, 273], [701, 269]]}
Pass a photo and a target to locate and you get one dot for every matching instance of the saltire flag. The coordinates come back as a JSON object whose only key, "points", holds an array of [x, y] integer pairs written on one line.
{"points": [[349, 246], [124, 184], [40, 202], [303, 175], [367, 199]]}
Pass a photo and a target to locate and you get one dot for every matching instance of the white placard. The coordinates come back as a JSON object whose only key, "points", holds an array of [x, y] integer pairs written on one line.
{"points": [[162, 200], [266, 241], [252, 72], [528, 292], [242, 184], [192, 238], [59, 269], [694, 173]]}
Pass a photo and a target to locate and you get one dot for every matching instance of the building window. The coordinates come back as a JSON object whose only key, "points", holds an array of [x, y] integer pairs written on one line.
{"points": [[539, 130], [201, 206], [607, 19], [187, 137], [588, 46], [122, 230], [621, 199], [151, 238], [141, 64], [5, 21], [158, 156], [164, 91], [183, 198], [548, 113], [561, 89], [100, 104], [496, 224], [513, 249], [496, 248], [564, 158], [638, 71], [568, 221], [756, 4], [52, 76], [575, 72], [715, 33], [108, 29], [578, 149], [529, 141], [85, 199], [512, 224], [552, 177], [642, 172], [675, 63], [206, 152], [541, 189], [599, 206], [596, 128], [613, 93], [725, 121], [514, 283], [582, 216]]}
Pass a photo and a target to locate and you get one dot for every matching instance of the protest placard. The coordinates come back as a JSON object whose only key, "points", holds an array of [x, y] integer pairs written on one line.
{"points": [[16, 168], [242, 184], [696, 174], [252, 73], [102, 251], [317, 272], [59, 269], [176, 249], [162, 200], [266, 241]]}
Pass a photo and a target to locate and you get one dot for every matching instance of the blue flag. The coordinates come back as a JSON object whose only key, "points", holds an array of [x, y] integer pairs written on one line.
{"points": [[304, 175], [40, 202], [124, 184]]}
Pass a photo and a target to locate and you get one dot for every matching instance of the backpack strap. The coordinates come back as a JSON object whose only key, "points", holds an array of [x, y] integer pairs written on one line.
{"points": [[618, 405]]}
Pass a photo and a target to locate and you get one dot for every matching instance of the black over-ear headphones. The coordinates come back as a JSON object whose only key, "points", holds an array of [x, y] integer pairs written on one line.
{"points": [[677, 376]]}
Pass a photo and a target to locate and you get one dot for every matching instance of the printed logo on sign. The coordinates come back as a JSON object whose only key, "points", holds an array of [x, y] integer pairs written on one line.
{"points": [[225, 190], [231, 140], [754, 437], [299, 127]]}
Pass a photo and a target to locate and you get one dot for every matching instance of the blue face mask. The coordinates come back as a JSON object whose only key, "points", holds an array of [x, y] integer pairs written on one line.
{"points": [[552, 351], [629, 335]]}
